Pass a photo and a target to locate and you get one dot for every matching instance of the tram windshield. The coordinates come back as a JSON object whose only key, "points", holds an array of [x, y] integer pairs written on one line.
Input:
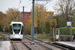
{"points": [[16, 28]]}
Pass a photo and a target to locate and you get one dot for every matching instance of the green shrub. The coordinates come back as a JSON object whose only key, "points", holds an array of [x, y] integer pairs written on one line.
{"points": [[66, 31]]}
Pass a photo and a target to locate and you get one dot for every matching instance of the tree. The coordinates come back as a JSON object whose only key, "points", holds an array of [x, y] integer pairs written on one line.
{"points": [[66, 7], [53, 23], [40, 18], [13, 14], [2, 17]]}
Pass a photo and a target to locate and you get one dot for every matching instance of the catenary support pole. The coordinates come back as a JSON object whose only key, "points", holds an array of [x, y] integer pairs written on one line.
{"points": [[71, 31], [33, 20], [23, 14]]}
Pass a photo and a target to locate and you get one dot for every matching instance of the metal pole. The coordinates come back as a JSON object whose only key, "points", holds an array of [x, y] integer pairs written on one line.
{"points": [[71, 31], [33, 21], [53, 33], [23, 14], [59, 33]]}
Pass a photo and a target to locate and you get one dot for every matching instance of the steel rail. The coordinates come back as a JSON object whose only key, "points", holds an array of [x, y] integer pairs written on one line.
{"points": [[14, 46], [40, 44], [61, 47], [26, 46]]}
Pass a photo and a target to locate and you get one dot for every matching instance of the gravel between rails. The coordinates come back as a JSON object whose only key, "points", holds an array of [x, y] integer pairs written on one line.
{"points": [[35, 46], [49, 47], [13, 46], [54, 47], [19, 46]]}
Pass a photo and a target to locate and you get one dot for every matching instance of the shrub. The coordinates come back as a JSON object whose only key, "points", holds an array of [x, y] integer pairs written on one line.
{"points": [[66, 31]]}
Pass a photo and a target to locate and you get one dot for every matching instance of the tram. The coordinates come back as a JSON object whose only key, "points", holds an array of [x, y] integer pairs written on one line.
{"points": [[16, 30]]}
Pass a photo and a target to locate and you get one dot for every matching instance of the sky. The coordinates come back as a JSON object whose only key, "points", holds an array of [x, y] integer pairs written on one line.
{"points": [[6, 4]]}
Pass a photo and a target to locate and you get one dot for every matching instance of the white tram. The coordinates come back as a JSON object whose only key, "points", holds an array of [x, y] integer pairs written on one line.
{"points": [[16, 30]]}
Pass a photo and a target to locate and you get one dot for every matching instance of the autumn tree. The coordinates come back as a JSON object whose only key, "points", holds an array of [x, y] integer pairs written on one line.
{"points": [[2, 17], [40, 18], [53, 23], [65, 8], [13, 14]]}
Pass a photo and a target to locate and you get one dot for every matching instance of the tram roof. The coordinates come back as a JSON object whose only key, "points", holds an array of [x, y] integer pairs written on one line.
{"points": [[16, 23]]}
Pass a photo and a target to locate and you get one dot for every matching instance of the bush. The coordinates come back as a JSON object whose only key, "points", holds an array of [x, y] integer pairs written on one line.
{"points": [[66, 31]]}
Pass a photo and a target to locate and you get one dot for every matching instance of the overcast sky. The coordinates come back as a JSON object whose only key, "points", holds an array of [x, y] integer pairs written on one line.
{"points": [[6, 4]]}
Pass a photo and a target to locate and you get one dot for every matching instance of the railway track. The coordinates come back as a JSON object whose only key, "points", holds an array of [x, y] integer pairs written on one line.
{"points": [[19, 46], [14, 47], [41, 47], [48, 44]]}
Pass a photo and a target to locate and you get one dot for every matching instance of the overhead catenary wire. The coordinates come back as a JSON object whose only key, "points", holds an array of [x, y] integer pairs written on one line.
{"points": [[18, 9], [19, 4], [28, 6]]}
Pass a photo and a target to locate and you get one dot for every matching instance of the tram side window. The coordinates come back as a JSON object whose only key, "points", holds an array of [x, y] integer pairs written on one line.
{"points": [[22, 30], [10, 30]]}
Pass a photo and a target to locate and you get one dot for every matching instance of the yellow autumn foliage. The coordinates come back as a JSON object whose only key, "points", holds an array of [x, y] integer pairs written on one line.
{"points": [[53, 22], [41, 15]]}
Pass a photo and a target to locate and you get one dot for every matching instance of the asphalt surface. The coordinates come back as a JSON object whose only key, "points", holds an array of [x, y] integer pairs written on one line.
{"points": [[5, 45], [70, 44]]}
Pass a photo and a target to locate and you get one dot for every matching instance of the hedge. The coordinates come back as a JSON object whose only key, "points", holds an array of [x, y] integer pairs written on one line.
{"points": [[66, 31]]}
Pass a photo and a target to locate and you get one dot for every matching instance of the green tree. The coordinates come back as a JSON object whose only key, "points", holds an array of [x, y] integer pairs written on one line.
{"points": [[65, 8]]}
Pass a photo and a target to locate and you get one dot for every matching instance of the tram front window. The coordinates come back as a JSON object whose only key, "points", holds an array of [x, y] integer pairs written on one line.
{"points": [[16, 31], [16, 28]]}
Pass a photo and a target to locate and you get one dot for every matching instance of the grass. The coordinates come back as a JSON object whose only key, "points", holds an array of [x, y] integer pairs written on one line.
{"points": [[43, 36]]}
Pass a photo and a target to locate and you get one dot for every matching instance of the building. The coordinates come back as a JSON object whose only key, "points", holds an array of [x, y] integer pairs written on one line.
{"points": [[26, 16]]}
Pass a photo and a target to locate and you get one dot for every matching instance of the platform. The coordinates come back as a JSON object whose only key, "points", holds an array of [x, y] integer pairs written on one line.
{"points": [[67, 44], [5, 45]]}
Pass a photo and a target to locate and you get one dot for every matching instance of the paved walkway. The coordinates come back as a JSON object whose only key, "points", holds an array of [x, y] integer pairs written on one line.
{"points": [[72, 44], [5, 45]]}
